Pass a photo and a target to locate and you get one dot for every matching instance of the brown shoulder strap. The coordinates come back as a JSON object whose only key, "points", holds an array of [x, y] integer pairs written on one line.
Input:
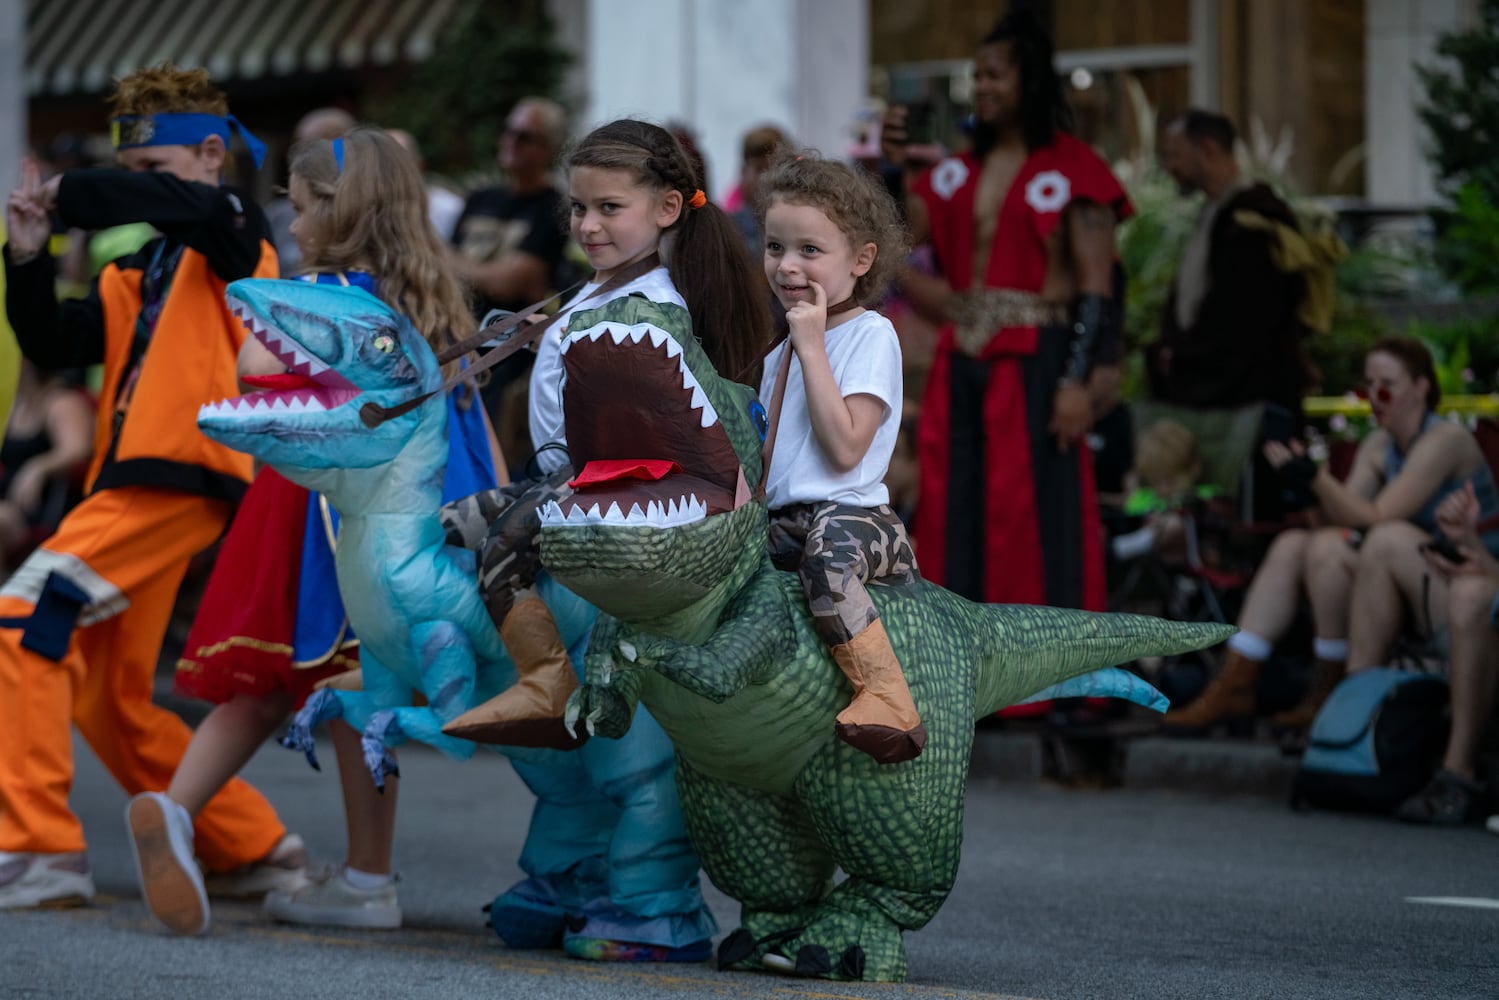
{"points": [[523, 333], [773, 416]]}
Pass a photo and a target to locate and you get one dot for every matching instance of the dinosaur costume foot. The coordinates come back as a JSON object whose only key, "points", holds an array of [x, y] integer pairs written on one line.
{"points": [[763, 934], [526, 923], [843, 946], [530, 713]]}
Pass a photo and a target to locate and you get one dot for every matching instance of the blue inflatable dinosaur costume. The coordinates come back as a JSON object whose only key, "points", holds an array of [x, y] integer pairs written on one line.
{"points": [[609, 866]]}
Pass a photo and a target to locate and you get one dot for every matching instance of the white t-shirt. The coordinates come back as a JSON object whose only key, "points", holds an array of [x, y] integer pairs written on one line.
{"points": [[547, 375], [865, 356]]}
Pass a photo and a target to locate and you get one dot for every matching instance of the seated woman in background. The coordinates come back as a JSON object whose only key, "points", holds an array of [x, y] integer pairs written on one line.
{"points": [[48, 439], [1401, 472], [1452, 581]]}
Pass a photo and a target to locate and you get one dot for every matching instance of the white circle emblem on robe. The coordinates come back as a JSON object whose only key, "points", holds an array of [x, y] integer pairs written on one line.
{"points": [[1048, 191], [948, 177]]}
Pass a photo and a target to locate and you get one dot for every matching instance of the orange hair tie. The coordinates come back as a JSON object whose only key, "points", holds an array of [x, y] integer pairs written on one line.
{"points": [[698, 199]]}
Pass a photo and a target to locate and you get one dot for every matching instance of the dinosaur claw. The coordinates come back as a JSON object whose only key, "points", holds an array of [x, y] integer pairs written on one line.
{"points": [[735, 948], [299, 737], [812, 960], [377, 757], [322, 706]]}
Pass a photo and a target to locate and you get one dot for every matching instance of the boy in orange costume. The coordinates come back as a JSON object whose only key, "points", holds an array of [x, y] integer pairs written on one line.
{"points": [[82, 620]]}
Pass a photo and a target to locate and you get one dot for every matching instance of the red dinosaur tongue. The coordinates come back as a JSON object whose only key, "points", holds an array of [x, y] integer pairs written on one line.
{"points": [[285, 382], [614, 470]]}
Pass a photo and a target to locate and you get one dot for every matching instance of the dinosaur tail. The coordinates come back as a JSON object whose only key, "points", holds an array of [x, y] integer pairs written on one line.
{"points": [[1024, 649]]}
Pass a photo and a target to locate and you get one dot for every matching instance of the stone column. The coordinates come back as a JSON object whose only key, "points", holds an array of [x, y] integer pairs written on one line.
{"points": [[725, 66], [1400, 34]]}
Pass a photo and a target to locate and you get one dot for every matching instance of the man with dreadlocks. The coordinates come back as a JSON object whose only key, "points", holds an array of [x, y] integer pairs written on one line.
{"points": [[1029, 294]]}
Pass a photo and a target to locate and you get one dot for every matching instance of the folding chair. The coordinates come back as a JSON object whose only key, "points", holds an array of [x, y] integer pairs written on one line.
{"points": [[1224, 536]]}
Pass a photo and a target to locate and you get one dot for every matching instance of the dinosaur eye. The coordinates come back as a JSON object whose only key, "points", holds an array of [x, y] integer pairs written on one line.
{"points": [[759, 419], [384, 343]]}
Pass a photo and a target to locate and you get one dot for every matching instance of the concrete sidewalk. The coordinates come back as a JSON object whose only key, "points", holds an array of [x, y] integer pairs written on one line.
{"points": [[1137, 758]]}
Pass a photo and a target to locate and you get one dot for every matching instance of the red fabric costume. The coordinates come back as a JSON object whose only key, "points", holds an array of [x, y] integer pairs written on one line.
{"points": [[240, 640], [1022, 527]]}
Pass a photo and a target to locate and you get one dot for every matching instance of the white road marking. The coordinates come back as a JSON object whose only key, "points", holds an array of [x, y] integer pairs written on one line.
{"points": [[1473, 902]]}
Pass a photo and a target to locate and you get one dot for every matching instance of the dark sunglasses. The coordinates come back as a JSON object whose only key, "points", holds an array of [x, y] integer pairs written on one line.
{"points": [[1381, 394], [524, 135]]}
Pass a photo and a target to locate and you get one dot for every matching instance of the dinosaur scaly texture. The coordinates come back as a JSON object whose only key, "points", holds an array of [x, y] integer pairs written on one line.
{"points": [[698, 626]]}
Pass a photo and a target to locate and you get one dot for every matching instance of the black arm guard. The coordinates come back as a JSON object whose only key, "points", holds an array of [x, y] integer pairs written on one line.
{"points": [[1090, 314]]}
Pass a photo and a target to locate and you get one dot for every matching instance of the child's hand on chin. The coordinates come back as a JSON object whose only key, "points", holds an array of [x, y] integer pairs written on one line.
{"points": [[808, 320]]}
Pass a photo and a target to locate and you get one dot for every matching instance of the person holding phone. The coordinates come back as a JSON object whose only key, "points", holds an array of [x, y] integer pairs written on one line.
{"points": [[1370, 528], [1454, 580]]}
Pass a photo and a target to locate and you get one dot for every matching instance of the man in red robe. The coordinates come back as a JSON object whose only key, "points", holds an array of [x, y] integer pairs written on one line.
{"points": [[1029, 294]]}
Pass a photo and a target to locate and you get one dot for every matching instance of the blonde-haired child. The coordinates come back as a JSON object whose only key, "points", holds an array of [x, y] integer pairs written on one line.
{"points": [[271, 625]]}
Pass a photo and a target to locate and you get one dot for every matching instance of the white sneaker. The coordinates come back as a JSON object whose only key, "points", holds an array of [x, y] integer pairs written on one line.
{"points": [[330, 900], [1493, 824], [30, 881], [161, 832], [284, 870]]}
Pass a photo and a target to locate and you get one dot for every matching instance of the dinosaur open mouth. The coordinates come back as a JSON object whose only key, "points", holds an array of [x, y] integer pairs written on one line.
{"points": [[308, 385], [648, 446]]}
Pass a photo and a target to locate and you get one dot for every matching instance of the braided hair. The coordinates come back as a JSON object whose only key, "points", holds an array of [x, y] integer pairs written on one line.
{"points": [[704, 252]]}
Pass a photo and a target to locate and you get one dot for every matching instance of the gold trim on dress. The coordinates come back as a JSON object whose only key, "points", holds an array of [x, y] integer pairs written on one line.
{"points": [[979, 313]]}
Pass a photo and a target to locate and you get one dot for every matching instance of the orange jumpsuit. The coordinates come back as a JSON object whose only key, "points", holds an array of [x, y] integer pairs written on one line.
{"points": [[82, 620]]}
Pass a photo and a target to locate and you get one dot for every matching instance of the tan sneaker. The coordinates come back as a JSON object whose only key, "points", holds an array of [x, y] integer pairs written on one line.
{"points": [[329, 900], [284, 869]]}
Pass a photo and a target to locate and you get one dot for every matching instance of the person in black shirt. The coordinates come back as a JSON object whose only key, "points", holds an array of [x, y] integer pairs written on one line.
{"points": [[509, 245]]}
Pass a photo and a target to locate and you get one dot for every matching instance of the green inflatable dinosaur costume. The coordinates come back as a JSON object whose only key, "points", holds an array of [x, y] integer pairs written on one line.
{"points": [[665, 535]]}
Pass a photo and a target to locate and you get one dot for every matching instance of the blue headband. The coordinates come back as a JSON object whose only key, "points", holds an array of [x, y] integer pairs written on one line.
{"points": [[338, 154], [179, 129]]}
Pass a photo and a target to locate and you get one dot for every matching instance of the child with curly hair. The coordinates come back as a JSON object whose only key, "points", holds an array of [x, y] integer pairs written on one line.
{"points": [[833, 239]]}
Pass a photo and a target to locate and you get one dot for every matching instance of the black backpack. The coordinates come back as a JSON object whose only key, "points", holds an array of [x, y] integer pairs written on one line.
{"points": [[1376, 741]]}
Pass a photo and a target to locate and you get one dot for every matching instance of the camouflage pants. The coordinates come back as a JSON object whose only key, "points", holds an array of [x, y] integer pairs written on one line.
{"points": [[836, 549], [502, 526]]}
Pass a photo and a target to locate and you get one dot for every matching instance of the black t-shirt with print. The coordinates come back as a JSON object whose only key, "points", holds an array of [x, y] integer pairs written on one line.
{"points": [[496, 221]]}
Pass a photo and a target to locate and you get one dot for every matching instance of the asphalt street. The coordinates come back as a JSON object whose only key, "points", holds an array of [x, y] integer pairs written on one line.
{"points": [[1062, 893]]}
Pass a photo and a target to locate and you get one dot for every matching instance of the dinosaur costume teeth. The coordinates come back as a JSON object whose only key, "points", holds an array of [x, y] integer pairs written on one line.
{"points": [[686, 510]]}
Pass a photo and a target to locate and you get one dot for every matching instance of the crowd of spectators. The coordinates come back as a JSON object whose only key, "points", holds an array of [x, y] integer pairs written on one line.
{"points": [[1355, 553]]}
